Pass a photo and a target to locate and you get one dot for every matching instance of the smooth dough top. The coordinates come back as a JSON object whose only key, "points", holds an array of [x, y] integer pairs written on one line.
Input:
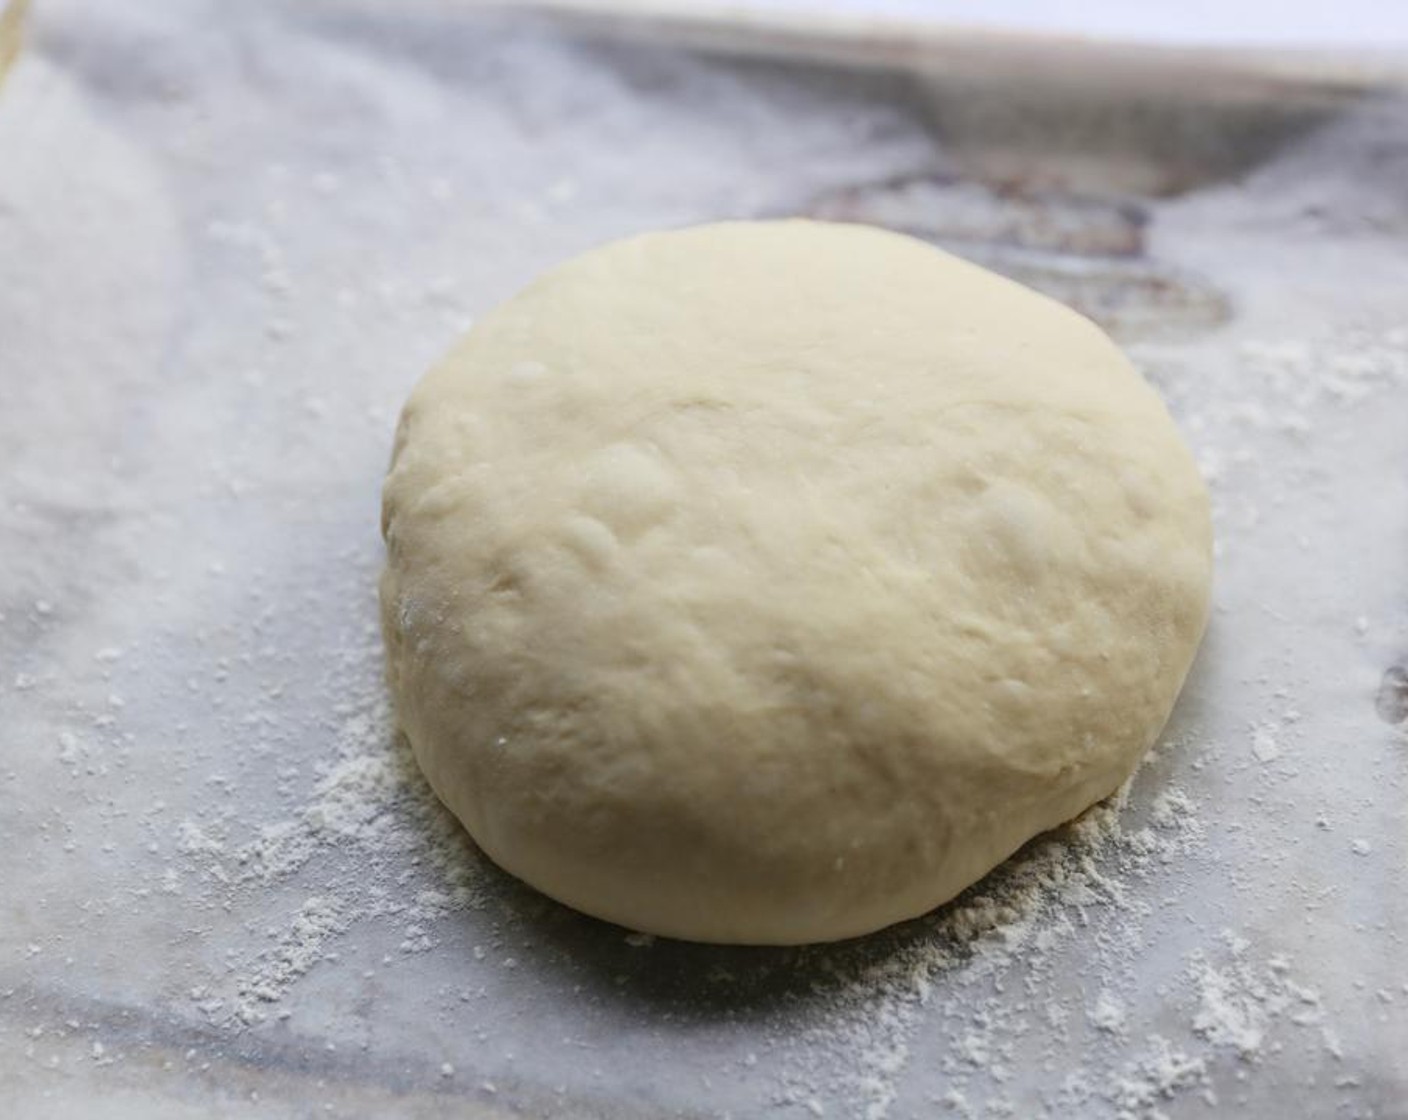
{"points": [[772, 582]]}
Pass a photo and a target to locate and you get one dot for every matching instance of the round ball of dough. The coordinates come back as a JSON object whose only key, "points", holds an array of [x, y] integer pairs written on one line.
{"points": [[772, 582]]}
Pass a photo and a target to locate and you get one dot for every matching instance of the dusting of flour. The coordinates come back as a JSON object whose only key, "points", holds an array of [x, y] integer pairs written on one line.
{"points": [[954, 994]]}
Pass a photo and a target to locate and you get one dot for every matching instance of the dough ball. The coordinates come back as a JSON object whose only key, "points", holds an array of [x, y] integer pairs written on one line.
{"points": [[772, 582]]}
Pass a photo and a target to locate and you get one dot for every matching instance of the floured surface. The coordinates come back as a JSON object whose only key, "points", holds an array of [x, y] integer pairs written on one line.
{"points": [[229, 246]]}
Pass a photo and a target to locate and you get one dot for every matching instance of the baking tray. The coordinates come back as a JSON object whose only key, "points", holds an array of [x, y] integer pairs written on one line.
{"points": [[231, 238]]}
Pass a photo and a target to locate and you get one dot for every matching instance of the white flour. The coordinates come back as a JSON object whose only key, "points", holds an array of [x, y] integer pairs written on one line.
{"points": [[952, 979]]}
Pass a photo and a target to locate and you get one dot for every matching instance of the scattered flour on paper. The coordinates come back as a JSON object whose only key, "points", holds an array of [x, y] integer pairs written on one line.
{"points": [[959, 967], [960, 988], [370, 804], [942, 999]]}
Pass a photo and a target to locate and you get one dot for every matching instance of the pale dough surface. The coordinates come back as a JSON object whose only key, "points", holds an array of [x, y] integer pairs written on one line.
{"points": [[772, 582]]}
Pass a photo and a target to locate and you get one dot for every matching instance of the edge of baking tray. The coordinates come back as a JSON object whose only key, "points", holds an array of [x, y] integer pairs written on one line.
{"points": [[12, 17], [930, 46]]}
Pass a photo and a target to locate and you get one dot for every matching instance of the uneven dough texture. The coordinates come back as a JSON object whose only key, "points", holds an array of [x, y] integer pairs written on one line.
{"points": [[772, 582]]}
